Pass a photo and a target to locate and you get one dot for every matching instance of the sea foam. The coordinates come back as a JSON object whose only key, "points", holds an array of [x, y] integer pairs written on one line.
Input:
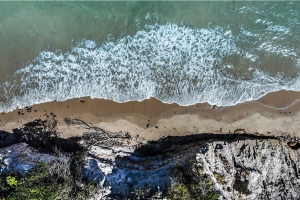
{"points": [[169, 62]]}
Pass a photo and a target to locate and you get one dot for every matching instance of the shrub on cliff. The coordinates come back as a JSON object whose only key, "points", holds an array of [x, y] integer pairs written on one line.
{"points": [[41, 183], [188, 183], [60, 179], [241, 184]]}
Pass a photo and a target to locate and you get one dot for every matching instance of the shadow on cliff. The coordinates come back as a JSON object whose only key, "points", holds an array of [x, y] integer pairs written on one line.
{"points": [[151, 164], [147, 167], [154, 148]]}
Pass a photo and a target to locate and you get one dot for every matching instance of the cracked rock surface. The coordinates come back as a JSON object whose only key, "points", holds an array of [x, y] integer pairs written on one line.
{"points": [[241, 168], [253, 169]]}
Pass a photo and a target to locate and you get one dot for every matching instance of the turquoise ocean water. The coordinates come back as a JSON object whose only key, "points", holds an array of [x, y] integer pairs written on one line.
{"points": [[222, 53]]}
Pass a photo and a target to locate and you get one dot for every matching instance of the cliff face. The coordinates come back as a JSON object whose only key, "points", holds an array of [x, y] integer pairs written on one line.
{"points": [[240, 168], [252, 169]]}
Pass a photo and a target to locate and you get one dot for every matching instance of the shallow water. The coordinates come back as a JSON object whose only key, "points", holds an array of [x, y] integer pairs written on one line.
{"points": [[222, 53]]}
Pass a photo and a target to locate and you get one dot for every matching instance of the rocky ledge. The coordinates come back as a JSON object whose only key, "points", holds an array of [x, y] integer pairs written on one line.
{"points": [[252, 169], [240, 167]]}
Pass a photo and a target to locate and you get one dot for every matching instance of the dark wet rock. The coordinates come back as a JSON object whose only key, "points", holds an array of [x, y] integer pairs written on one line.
{"points": [[93, 173], [204, 149], [21, 158], [28, 108], [219, 146]]}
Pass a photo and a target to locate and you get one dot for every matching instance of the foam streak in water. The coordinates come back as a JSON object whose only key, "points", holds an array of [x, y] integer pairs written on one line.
{"points": [[168, 62]]}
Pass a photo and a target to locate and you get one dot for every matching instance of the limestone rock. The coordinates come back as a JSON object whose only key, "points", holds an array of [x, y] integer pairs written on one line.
{"points": [[253, 169]]}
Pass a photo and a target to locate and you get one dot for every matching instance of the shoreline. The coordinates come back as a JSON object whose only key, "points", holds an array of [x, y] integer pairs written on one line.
{"points": [[274, 114]]}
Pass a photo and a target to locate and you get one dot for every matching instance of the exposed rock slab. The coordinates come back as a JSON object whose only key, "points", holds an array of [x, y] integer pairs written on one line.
{"points": [[21, 158], [253, 169], [241, 167]]}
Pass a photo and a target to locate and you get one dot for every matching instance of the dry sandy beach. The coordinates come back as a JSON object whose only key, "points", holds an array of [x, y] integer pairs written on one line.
{"points": [[275, 114]]}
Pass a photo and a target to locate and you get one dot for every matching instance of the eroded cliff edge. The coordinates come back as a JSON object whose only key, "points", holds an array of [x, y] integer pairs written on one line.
{"points": [[240, 166]]}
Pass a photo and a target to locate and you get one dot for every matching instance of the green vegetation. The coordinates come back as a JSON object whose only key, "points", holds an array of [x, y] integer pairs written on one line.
{"points": [[241, 185], [11, 181], [190, 184], [220, 178], [62, 178], [39, 183], [59, 179], [140, 193], [180, 191]]}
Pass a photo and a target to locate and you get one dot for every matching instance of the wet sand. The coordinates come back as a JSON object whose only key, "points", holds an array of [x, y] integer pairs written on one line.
{"points": [[277, 113]]}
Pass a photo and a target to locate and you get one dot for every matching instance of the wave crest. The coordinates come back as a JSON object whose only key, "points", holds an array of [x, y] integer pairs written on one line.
{"points": [[169, 62]]}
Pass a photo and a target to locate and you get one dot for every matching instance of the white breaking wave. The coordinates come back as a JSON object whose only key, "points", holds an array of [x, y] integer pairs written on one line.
{"points": [[169, 62]]}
